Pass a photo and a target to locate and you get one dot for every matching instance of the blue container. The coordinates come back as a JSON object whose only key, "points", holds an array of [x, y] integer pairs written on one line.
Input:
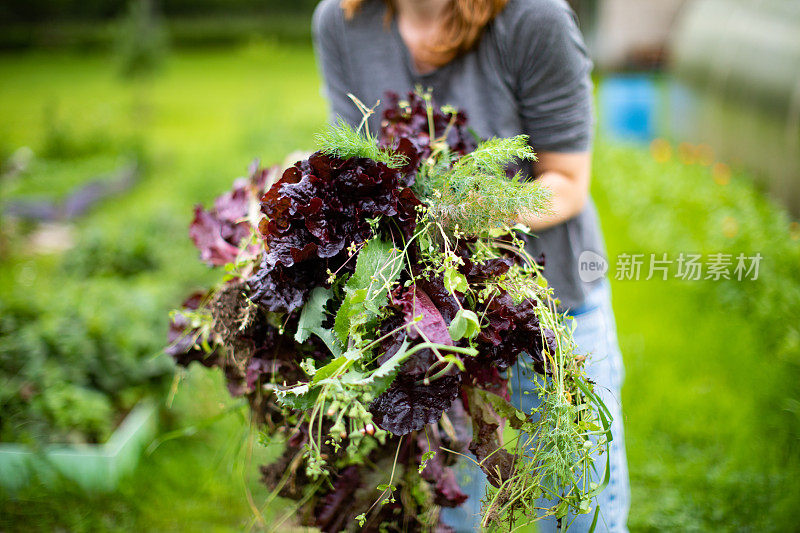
{"points": [[629, 107]]}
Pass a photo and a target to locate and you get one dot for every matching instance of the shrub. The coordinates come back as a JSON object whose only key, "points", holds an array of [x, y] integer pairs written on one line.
{"points": [[103, 253], [673, 205], [74, 355]]}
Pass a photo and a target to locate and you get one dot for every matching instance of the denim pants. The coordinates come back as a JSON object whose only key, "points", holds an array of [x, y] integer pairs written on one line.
{"points": [[596, 336]]}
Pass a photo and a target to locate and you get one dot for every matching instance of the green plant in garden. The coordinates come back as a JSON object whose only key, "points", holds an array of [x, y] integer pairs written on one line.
{"points": [[77, 348], [720, 453], [69, 368], [721, 216], [115, 253]]}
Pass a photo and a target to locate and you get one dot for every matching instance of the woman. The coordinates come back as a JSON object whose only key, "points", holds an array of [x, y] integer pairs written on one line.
{"points": [[514, 66]]}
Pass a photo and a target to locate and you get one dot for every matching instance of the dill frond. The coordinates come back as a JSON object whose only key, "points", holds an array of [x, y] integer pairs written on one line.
{"points": [[475, 193], [343, 141], [492, 156]]}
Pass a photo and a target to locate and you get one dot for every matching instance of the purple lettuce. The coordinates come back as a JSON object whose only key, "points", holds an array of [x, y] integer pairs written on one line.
{"points": [[318, 208], [218, 233]]}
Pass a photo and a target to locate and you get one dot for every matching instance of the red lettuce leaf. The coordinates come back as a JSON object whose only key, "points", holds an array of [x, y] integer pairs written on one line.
{"points": [[206, 231], [332, 511], [513, 329], [218, 233], [416, 303], [440, 296], [283, 289], [495, 461], [447, 492], [409, 404], [318, 208], [411, 122]]}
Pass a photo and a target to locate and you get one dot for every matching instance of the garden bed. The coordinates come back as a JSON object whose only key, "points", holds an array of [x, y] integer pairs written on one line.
{"points": [[93, 467]]}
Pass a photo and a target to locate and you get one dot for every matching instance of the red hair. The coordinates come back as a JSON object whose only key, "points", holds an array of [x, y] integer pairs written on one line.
{"points": [[462, 28]]}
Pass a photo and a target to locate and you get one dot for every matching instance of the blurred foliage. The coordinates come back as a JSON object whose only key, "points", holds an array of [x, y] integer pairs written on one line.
{"points": [[183, 32], [77, 341], [139, 29], [54, 178], [76, 348], [72, 360], [142, 40], [711, 442], [679, 205], [61, 141], [172, 488], [712, 424], [49, 10], [121, 254]]}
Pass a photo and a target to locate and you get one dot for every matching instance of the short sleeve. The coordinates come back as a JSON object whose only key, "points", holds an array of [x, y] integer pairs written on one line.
{"points": [[553, 78], [328, 27]]}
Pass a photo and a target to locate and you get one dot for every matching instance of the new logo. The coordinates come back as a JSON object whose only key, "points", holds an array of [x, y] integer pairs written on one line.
{"points": [[591, 266]]}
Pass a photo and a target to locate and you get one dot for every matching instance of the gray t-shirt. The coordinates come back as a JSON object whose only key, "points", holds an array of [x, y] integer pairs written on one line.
{"points": [[529, 74]]}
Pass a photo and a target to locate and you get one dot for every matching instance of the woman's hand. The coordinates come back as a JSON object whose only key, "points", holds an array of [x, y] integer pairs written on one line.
{"points": [[566, 175]]}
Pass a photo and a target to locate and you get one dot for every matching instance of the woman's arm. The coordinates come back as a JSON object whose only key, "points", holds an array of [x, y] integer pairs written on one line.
{"points": [[549, 59], [566, 175]]}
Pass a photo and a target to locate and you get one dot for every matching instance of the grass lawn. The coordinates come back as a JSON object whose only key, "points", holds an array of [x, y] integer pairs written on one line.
{"points": [[709, 445]]}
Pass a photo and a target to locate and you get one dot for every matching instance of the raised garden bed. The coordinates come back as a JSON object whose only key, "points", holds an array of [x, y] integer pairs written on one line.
{"points": [[93, 467]]}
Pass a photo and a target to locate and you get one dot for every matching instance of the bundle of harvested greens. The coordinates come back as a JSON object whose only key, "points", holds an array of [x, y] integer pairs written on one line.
{"points": [[372, 315]]}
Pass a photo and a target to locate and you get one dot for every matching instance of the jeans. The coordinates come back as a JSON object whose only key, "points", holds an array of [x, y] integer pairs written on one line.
{"points": [[596, 336]]}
